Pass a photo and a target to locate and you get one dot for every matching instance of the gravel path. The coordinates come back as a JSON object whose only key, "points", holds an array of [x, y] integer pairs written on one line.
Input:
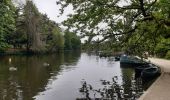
{"points": [[160, 89]]}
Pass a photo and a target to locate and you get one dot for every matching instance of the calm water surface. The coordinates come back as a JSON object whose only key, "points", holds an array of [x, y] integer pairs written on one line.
{"points": [[64, 77]]}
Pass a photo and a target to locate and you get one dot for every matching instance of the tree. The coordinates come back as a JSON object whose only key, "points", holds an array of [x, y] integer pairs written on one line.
{"points": [[24, 28], [7, 25], [72, 41], [18, 39], [56, 41], [67, 37], [51, 34], [162, 47], [135, 23], [32, 17], [42, 33]]}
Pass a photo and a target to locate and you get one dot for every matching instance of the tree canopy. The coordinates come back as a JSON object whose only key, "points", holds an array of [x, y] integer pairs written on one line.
{"points": [[137, 24], [24, 28], [72, 41], [7, 22]]}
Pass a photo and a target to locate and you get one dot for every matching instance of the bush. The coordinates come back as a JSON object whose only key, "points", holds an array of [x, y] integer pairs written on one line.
{"points": [[167, 55]]}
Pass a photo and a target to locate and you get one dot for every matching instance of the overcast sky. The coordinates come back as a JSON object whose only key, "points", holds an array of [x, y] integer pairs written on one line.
{"points": [[52, 9]]}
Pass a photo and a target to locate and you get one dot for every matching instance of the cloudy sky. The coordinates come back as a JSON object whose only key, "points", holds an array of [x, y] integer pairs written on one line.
{"points": [[52, 9]]}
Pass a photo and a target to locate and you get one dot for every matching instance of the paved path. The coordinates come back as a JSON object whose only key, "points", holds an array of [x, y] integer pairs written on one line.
{"points": [[160, 89]]}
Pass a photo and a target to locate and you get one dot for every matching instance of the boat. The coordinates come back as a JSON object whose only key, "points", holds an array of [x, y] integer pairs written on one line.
{"points": [[139, 69], [126, 60], [150, 72]]}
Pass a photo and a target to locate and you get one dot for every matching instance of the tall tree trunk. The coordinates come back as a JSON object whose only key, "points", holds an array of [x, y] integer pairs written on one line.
{"points": [[32, 20]]}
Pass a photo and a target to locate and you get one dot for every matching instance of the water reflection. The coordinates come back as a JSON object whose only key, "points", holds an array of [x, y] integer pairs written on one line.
{"points": [[31, 76], [129, 89], [122, 87], [133, 87], [110, 91], [66, 76]]}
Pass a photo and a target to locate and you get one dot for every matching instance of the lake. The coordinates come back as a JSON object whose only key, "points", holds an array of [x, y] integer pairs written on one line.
{"points": [[69, 76]]}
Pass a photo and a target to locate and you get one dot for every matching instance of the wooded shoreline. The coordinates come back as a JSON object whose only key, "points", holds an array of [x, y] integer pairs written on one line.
{"points": [[25, 52]]}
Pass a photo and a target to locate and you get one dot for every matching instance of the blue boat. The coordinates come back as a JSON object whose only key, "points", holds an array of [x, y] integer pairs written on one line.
{"points": [[139, 69], [150, 72], [130, 60]]}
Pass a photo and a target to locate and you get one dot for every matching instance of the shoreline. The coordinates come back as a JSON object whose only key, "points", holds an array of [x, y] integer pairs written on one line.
{"points": [[159, 90], [32, 53]]}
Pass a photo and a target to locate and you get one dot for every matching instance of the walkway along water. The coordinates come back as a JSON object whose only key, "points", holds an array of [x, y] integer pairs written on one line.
{"points": [[160, 89]]}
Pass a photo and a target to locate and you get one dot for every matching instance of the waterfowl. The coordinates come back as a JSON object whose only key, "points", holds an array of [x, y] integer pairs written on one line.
{"points": [[12, 69], [46, 64], [10, 60]]}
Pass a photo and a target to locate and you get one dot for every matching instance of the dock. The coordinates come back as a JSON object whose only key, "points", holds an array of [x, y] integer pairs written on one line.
{"points": [[160, 89]]}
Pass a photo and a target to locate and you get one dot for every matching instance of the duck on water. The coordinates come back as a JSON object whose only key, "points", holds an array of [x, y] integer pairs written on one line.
{"points": [[46, 64], [12, 68]]}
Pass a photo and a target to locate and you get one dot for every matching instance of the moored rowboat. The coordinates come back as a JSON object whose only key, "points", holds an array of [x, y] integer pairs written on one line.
{"points": [[150, 72]]}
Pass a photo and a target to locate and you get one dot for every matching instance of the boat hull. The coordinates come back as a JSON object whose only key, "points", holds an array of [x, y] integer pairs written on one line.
{"points": [[125, 64], [126, 61], [139, 69], [150, 73]]}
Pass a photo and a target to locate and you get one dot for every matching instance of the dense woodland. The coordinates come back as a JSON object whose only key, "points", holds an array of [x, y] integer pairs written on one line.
{"points": [[133, 26], [24, 28]]}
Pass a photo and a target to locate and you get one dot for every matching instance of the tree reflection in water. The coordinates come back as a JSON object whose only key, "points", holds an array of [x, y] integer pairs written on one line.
{"points": [[31, 77], [112, 90]]}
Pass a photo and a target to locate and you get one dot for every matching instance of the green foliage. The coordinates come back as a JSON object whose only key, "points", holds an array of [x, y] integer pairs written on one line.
{"points": [[138, 25], [32, 19], [165, 8], [72, 41], [143, 38], [167, 55], [7, 23], [89, 15], [67, 44], [163, 47], [35, 31], [56, 43], [53, 38], [76, 43], [25, 28]]}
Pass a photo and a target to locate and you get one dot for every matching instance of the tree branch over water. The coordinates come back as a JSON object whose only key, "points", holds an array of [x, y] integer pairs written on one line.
{"points": [[121, 19]]}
